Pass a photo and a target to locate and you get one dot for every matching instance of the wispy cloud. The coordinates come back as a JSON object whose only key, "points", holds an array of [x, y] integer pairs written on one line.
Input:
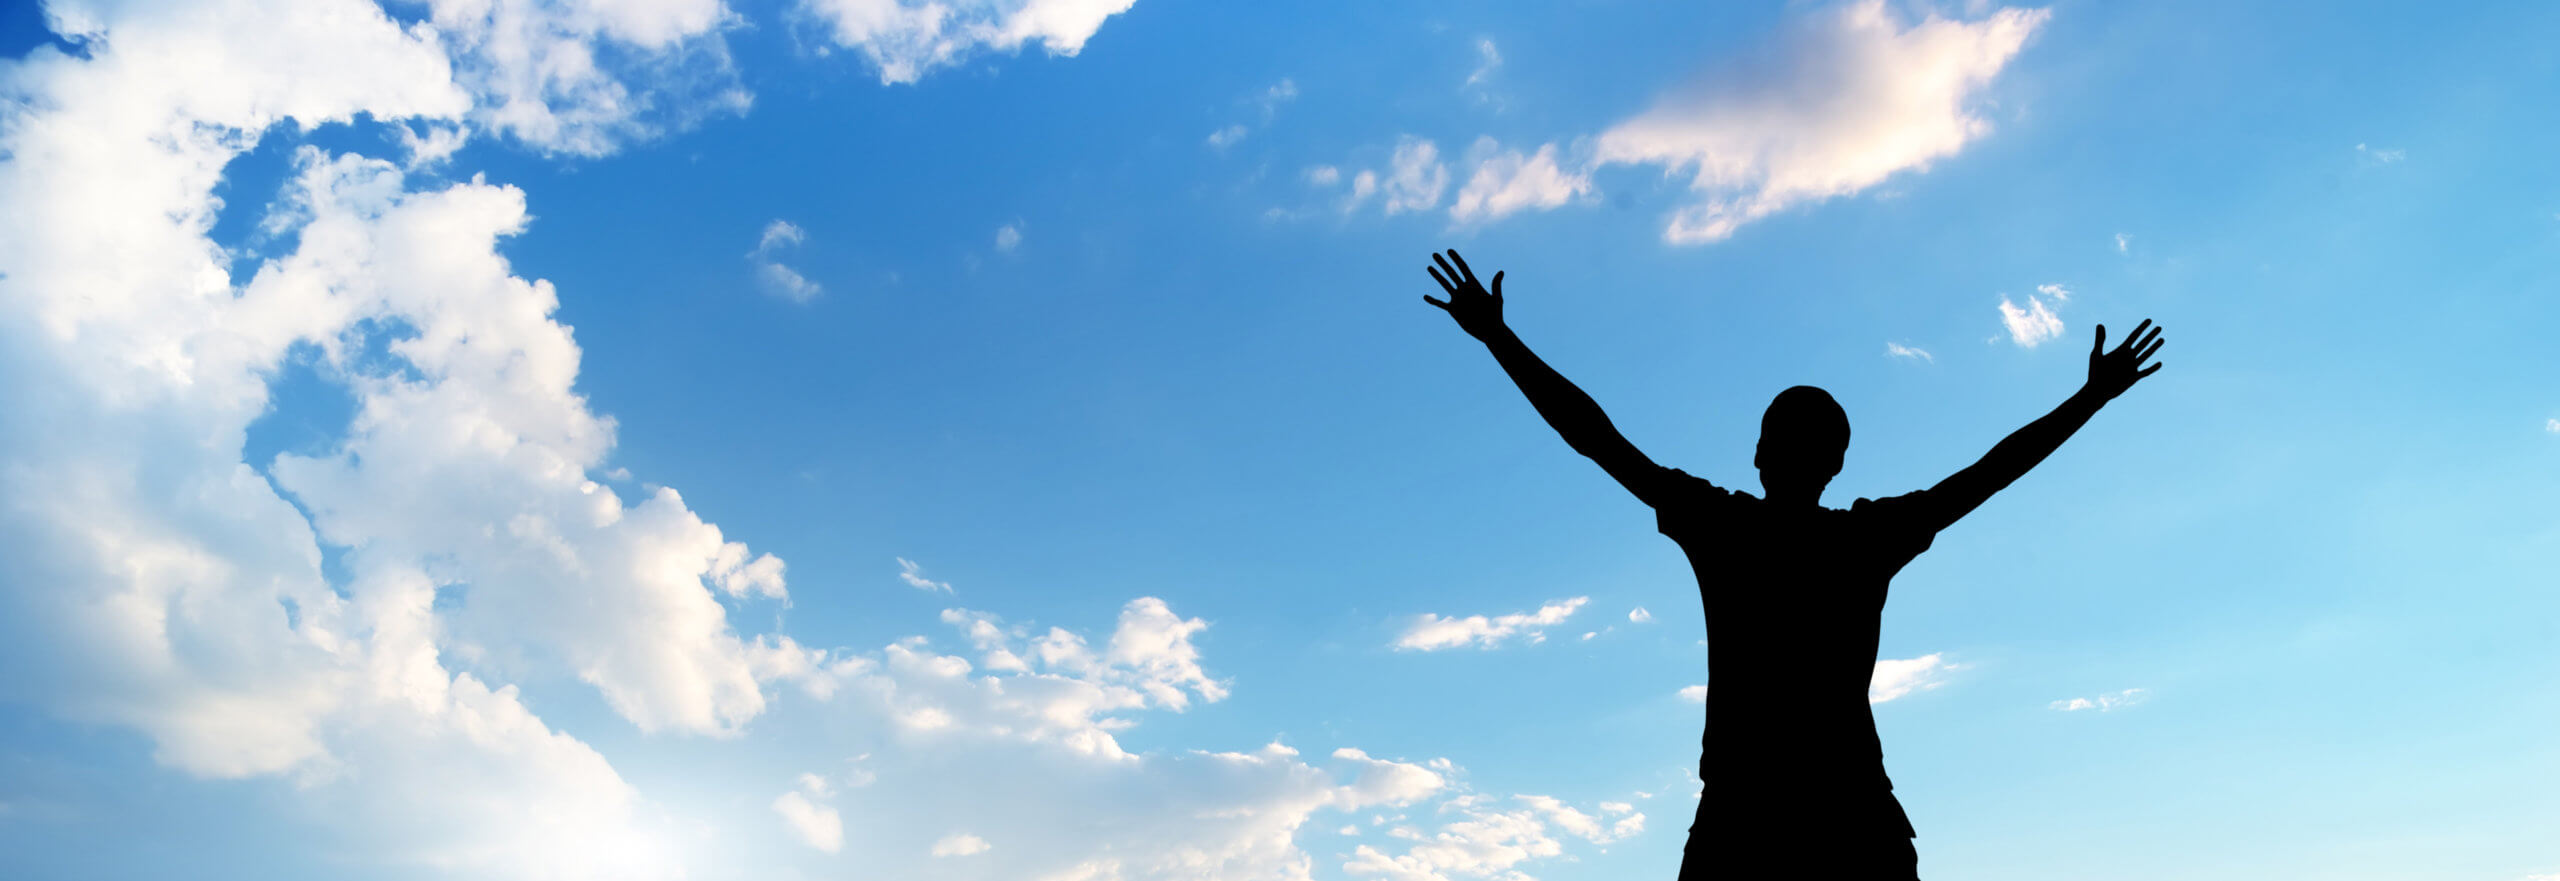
{"points": [[1639, 615], [960, 844], [1268, 101], [778, 279], [2124, 243], [1008, 237], [2032, 324], [1488, 61], [2375, 156], [2113, 700], [806, 814], [1432, 632], [1899, 350], [1896, 678], [913, 574]]}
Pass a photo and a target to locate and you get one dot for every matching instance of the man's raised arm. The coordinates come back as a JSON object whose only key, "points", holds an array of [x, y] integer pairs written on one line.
{"points": [[1566, 408], [2110, 374]]}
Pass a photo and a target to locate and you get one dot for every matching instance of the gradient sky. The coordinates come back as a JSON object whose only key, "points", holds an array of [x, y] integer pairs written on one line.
{"points": [[1073, 485]]}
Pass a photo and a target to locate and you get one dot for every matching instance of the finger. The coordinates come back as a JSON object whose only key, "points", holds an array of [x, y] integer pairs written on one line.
{"points": [[2155, 335], [2147, 351], [2101, 347], [2147, 371], [1462, 264], [1427, 298], [1444, 283], [1446, 270], [1497, 284], [2127, 345]]}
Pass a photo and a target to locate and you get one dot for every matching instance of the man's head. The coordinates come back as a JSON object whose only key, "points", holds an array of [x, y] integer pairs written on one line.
{"points": [[1802, 438]]}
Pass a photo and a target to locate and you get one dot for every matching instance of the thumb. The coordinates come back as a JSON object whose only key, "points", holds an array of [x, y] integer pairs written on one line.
{"points": [[1497, 285]]}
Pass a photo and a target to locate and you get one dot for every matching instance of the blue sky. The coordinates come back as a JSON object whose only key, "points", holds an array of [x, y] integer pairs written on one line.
{"points": [[822, 439]]}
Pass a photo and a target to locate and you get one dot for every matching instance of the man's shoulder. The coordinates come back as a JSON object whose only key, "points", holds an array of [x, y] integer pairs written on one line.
{"points": [[1682, 488]]}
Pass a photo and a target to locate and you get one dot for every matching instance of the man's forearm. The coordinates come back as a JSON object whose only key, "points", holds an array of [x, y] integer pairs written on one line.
{"points": [[2023, 449]]}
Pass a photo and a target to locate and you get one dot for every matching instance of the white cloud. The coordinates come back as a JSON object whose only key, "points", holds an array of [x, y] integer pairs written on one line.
{"points": [[1485, 841], [544, 72], [1850, 98], [959, 844], [1694, 693], [1898, 350], [1008, 237], [1269, 101], [1323, 175], [912, 573], [2113, 700], [2551, 425], [1505, 181], [2124, 243], [1415, 179], [1432, 632], [778, 279], [2057, 292], [817, 825], [1488, 60], [2031, 324], [1895, 678], [185, 597], [2380, 157], [905, 39], [1639, 615]]}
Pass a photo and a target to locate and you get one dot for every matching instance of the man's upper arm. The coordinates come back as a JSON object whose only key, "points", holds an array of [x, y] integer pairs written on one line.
{"points": [[1663, 487], [1923, 512]]}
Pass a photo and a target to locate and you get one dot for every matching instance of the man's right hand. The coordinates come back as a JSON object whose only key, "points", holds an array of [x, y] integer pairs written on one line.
{"points": [[1477, 311]]}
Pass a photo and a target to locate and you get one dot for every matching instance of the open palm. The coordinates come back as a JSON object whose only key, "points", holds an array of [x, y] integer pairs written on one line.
{"points": [[1476, 310], [2112, 372]]}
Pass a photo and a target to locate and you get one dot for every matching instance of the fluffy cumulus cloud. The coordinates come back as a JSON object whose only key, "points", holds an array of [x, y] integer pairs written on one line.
{"points": [[1845, 100], [905, 39], [583, 77], [1002, 760], [344, 624], [1432, 632], [184, 592]]}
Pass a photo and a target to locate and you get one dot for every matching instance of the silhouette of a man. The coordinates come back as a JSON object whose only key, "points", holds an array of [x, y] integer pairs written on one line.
{"points": [[1794, 593]]}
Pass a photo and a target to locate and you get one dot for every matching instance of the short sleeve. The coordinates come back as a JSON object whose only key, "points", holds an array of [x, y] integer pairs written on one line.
{"points": [[1685, 499], [1910, 518]]}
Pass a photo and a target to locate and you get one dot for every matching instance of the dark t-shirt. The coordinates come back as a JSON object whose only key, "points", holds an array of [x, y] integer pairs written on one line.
{"points": [[1794, 598]]}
